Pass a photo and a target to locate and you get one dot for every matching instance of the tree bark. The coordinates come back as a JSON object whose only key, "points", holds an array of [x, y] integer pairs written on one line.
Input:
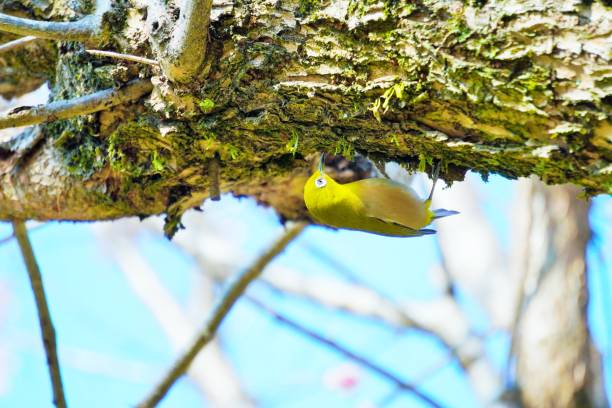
{"points": [[515, 88], [557, 363]]}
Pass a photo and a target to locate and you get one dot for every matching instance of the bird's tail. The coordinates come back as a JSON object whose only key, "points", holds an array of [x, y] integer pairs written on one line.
{"points": [[424, 231], [441, 212]]}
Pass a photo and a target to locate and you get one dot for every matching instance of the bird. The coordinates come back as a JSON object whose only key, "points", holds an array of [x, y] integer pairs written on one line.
{"points": [[375, 205]]}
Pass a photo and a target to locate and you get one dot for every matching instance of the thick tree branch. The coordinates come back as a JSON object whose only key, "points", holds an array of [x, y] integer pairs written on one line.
{"points": [[101, 100], [335, 346], [486, 87], [231, 294], [44, 316]]}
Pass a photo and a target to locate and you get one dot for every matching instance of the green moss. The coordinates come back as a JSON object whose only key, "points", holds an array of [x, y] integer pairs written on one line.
{"points": [[135, 150], [344, 148], [293, 143], [307, 7], [424, 161], [392, 8], [206, 105]]}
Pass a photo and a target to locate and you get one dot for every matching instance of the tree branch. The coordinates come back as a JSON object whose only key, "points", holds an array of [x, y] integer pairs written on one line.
{"points": [[213, 177], [360, 300], [235, 289], [211, 372], [101, 100], [342, 350], [187, 48], [127, 57], [20, 42], [87, 28], [44, 316]]}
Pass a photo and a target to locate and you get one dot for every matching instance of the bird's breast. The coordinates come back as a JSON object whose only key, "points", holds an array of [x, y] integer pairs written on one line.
{"points": [[337, 210]]}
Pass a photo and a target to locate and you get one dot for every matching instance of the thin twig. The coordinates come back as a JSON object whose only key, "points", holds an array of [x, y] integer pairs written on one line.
{"points": [[211, 372], [87, 28], [386, 307], [44, 316], [11, 236], [101, 100], [6, 239], [420, 378], [20, 42], [343, 351], [213, 177], [127, 57], [450, 286], [231, 294]]}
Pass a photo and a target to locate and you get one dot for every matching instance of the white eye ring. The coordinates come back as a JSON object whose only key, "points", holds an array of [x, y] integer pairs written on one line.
{"points": [[320, 182]]}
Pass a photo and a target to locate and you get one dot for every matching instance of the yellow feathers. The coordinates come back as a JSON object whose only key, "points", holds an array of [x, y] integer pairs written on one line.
{"points": [[379, 206]]}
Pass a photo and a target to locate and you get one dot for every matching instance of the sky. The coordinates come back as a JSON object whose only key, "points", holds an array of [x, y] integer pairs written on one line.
{"points": [[112, 349]]}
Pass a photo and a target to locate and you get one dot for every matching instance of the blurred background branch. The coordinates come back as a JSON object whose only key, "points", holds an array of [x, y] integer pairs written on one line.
{"points": [[44, 315], [211, 371], [401, 384], [219, 311]]}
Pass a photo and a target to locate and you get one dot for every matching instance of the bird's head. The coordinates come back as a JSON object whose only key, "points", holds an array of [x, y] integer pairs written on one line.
{"points": [[321, 180], [319, 184]]}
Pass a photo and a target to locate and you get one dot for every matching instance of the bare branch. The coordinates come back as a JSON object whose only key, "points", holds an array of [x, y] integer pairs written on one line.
{"points": [[363, 301], [344, 351], [210, 371], [87, 28], [6, 239], [101, 100], [127, 57], [187, 48], [233, 292], [20, 42], [79, 30], [11, 236], [44, 316], [450, 286]]}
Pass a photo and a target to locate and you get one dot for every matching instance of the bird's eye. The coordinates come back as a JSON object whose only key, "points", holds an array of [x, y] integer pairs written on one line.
{"points": [[320, 182]]}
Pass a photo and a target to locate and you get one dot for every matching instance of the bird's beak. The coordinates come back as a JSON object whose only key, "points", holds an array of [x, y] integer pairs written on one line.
{"points": [[322, 162]]}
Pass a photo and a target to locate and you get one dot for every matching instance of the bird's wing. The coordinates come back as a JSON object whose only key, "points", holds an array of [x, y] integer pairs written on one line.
{"points": [[392, 202]]}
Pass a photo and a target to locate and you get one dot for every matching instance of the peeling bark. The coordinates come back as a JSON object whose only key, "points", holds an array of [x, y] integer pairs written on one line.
{"points": [[515, 88]]}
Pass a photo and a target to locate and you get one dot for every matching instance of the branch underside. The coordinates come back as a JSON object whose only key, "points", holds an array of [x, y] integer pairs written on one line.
{"points": [[515, 92]]}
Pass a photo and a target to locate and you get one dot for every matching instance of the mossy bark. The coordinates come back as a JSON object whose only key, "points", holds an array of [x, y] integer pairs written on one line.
{"points": [[507, 87]]}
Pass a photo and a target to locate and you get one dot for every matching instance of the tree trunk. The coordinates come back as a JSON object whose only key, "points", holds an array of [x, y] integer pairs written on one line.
{"points": [[515, 88], [557, 363]]}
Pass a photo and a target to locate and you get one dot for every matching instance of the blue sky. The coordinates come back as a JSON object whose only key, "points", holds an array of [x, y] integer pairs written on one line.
{"points": [[112, 350]]}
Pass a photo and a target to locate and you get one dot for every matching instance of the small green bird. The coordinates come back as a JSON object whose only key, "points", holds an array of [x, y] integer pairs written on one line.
{"points": [[375, 205]]}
